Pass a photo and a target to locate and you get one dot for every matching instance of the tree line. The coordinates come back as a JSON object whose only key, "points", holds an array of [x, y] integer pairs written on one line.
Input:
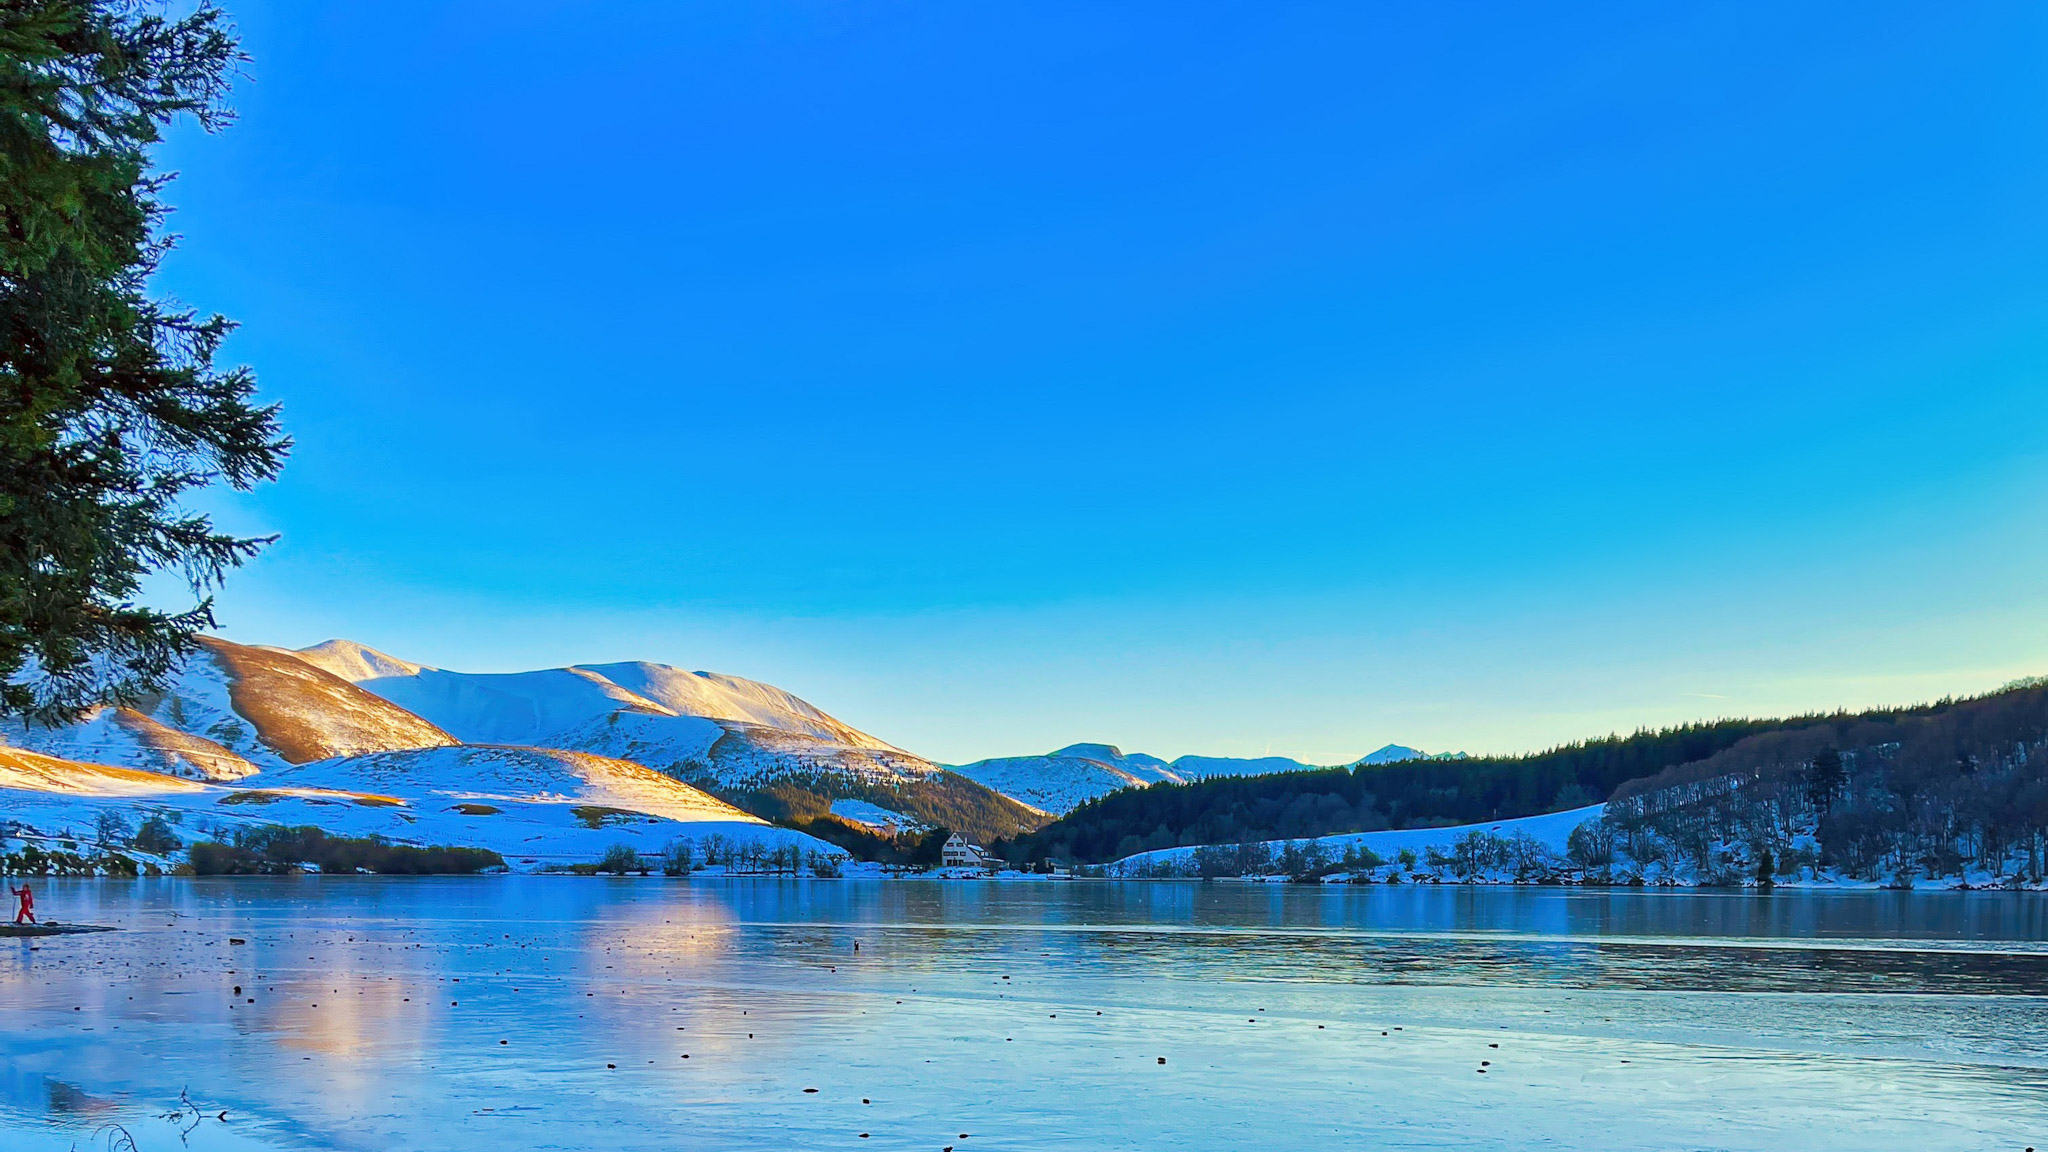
{"points": [[1403, 794]]}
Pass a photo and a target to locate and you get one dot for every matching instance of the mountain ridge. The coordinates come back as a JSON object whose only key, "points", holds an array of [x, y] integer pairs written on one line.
{"points": [[752, 744], [1057, 782]]}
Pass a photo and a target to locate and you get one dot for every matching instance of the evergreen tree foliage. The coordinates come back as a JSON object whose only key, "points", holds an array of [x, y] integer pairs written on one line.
{"points": [[1825, 778], [111, 409]]}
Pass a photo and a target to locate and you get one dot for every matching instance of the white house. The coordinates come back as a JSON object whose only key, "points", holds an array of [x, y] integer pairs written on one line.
{"points": [[958, 853]]}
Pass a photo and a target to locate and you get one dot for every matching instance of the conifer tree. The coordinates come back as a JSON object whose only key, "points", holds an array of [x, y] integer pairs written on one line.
{"points": [[1825, 779], [111, 409]]}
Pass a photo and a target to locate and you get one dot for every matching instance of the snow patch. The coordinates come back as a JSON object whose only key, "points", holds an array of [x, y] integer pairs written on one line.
{"points": [[876, 817]]}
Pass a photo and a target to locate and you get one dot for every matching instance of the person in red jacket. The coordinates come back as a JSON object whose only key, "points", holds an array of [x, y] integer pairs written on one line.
{"points": [[27, 912]]}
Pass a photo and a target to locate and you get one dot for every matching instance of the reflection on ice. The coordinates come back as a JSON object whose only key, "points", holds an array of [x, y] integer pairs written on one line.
{"points": [[536, 1012]]}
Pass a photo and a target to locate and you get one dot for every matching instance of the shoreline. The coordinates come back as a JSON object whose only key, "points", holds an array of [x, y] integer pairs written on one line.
{"points": [[1798, 888]]}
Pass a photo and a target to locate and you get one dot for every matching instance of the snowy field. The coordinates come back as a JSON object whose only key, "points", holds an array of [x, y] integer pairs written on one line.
{"points": [[649, 1014]]}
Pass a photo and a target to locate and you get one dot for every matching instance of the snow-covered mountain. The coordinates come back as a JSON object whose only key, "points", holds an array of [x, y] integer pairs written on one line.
{"points": [[1203, 767], [698, 725], [234, 710], [1058, 782], [295, 730], [753, 743], [1396, 753]]}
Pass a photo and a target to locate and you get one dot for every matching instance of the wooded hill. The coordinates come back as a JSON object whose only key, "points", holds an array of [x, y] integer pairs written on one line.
{"points": [[1415, 793], [1959, 791]]}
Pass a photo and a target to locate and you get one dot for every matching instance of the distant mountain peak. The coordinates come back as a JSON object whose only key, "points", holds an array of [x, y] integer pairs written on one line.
{"points": [[1395, 753], [1108, 752], [356, 662]]}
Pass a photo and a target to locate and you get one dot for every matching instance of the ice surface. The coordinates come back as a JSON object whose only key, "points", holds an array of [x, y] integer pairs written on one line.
{"points": [[527, 1013]]}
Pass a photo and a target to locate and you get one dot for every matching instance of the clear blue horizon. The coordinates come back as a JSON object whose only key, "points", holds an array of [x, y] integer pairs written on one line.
{"points": [[1219, 379]]}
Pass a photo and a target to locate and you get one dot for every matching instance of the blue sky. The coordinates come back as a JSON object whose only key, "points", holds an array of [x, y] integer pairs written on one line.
{"points": [[1213, 378]]}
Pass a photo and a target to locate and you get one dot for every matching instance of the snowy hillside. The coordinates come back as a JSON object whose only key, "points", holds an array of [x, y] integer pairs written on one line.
{"points": [[534, 807], [678, 745], [716, 697], [233, 709], [33, 772], [299, 712], [1544, 835], [755, 755], [486, 774], [876, 818], [127, 737], [508, 708]]}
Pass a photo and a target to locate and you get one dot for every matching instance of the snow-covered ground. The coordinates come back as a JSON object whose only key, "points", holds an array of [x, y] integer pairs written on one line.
{"points": [[875, 816], [535, 807], [1550, 831], [680, 744], [126, 737]]}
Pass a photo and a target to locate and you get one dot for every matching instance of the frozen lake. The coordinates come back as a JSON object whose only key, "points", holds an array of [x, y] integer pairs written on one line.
{"points": [[535, 1012]]}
